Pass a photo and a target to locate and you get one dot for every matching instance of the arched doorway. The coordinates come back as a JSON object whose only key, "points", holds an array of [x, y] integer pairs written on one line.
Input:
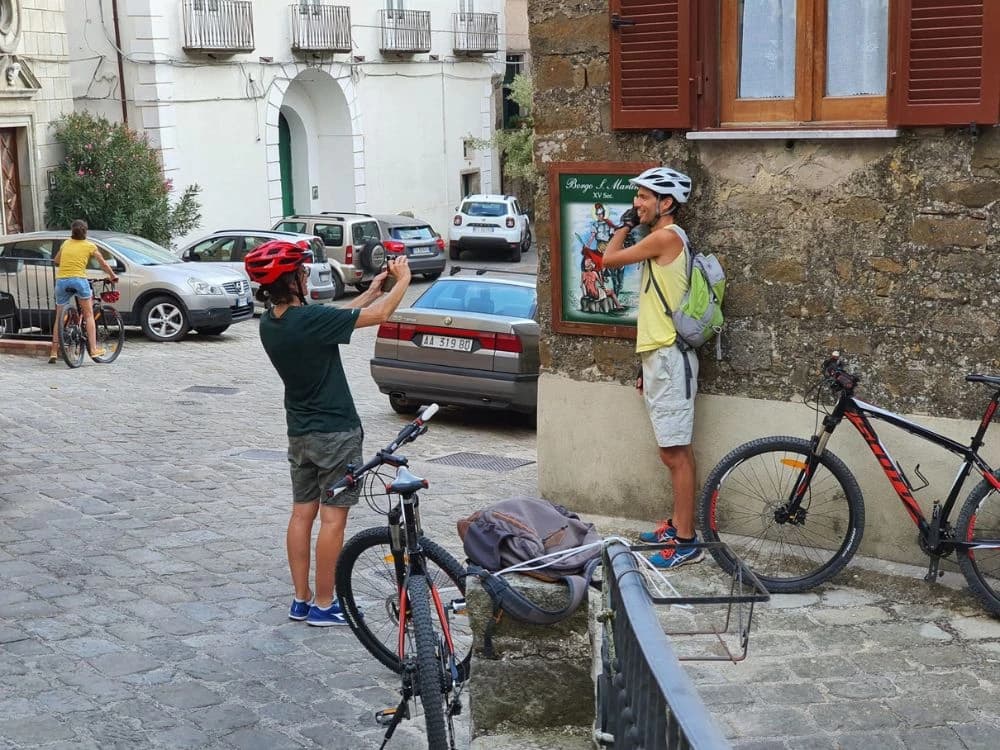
{"points": [[314, 135]]}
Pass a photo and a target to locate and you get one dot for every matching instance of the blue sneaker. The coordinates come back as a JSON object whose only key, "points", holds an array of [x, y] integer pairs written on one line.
{"points": [[324, 618], [678, 554], [662, 533], [299, 609]]}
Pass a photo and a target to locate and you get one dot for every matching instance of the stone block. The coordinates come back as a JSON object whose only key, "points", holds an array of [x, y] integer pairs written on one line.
{"points": [[540, 676], [938, 231]]}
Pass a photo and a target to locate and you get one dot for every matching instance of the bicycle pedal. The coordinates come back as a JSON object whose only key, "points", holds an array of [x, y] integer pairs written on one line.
{"points": [[384, 717]]}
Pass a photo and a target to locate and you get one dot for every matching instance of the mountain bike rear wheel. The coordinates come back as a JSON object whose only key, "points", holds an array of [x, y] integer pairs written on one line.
{"points": [[368, 590], [979, 521], [744, 504], [72, 337], [110, 334], [430, 673]]}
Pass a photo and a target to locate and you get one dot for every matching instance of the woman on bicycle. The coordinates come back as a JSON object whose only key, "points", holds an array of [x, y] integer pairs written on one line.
{"points": [[324, 431], [71, 278]]}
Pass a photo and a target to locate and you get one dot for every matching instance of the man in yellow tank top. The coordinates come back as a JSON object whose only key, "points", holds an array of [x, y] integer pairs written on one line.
{"points": [[669, 379], [71, 278]]}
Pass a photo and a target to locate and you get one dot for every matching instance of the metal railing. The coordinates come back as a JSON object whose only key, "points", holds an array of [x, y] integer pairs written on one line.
{"points": [[218, 25], [320, 28], [644, 697], [27, 297], [476, 32], [405, 30]]}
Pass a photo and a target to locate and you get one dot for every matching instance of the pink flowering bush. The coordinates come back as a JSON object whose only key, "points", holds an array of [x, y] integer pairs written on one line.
{"points": [[112, 178]]}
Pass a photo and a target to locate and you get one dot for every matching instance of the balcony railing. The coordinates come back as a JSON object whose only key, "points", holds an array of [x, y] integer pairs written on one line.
{"points": [[320, 28], [405, 30], [218, 25], [476, 33]]}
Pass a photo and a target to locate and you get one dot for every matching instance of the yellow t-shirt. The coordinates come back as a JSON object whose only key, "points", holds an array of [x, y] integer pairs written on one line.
{"points": [[73, 258], [655, 328]]}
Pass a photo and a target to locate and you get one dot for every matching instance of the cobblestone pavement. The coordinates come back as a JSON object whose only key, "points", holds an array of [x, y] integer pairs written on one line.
{"points": [[144, 589]]}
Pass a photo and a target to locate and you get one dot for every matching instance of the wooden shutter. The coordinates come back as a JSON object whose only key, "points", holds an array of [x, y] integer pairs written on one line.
{"points": [[945, 62], [651, 64]]}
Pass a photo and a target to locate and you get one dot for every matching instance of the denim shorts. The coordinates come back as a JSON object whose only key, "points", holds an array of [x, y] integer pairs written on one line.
{"points": [[319, 459], [66, 288]]}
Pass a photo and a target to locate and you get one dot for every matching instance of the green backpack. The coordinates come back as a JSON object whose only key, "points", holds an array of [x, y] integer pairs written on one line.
{"points": [[699, 317]]}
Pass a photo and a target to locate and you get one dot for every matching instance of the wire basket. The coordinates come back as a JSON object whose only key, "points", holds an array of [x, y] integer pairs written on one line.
{"points": [[715, 609], [110, 296]]}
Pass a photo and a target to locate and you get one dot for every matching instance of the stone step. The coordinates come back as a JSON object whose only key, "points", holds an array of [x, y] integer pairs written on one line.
{"points": [[572, 738]]}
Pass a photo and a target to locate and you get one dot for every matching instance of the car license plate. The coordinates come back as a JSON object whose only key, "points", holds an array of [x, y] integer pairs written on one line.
{"points": [[242, 302], [421, 251], [482, 229], [324, 276], [447, 342]]}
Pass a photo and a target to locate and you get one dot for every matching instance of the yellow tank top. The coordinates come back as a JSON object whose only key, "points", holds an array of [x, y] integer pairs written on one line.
{"points": [[655, 328], [73, 257]]}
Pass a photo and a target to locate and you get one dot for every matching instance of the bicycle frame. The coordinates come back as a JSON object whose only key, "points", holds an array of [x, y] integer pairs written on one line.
{"points": [[860, 413]]}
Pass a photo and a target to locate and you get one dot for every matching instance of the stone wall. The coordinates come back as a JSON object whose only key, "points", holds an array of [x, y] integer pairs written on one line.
{"points": [[883, 248]]}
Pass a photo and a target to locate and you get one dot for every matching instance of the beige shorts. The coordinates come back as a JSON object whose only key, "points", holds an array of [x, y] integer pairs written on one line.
{"points": [[663, 386]]}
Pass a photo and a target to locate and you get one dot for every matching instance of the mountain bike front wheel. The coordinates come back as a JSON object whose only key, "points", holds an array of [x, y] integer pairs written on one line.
{"points": [[745, 504], [72, 337], [430, 672], [368, 590], [979, 522], [110, 334]]}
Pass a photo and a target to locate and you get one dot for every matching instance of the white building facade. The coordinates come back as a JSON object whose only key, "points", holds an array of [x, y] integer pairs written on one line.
{"points": [[34, 93], [276, 108]]}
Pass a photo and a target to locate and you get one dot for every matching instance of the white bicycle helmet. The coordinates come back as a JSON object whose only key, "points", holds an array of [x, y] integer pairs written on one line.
{"points": [[665, 181]]}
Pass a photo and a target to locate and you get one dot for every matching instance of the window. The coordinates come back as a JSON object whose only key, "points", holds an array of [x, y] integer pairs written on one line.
{"points": [[92, 263], [212, 6], [481, 208], [394, 9], [465, 9], [291, 226], [365, 231], [411, 233], [331, 234], [791, 61], [218, 250], [689, 64]]}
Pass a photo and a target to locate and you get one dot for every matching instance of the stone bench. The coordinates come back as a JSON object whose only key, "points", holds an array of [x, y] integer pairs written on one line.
{"points": [[540, 676]]}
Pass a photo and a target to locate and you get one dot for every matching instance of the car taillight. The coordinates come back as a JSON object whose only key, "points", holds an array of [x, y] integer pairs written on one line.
{"points": [[458, 220], [314, 294], [510, 222], [397, 331], [349, 255], [394, 246], [509, 342], [440, 243]]}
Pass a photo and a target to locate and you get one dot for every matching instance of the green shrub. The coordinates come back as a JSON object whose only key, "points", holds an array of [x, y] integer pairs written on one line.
{"points": [[112, 178]]}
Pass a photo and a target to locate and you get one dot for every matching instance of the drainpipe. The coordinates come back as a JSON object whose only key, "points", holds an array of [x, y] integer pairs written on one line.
{"points": [[121, 65]]}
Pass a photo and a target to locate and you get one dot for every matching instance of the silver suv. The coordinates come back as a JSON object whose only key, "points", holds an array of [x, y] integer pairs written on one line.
{"points": [[163, 295], [351, 239]]}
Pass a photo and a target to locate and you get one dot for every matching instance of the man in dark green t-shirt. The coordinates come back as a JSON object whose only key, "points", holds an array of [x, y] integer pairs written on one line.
{"points": [[324, 431]]}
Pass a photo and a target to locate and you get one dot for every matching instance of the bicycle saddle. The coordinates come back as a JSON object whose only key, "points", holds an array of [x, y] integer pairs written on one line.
{"points": [[993, 380], [406, 483]]}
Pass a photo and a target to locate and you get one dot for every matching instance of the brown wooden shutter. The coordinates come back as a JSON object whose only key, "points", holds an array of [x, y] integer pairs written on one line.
{"points": [[651, 64], [945, 62]]}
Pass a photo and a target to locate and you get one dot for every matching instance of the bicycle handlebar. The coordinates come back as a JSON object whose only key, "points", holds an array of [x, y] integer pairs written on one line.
{"points": [[408, 434], [840, 379]]}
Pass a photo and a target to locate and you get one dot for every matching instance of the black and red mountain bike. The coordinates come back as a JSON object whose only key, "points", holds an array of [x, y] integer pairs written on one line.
{"points": [[794, 512]]}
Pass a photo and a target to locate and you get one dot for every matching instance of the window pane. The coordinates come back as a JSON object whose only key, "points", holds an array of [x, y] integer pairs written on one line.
{"points": [[767, 49], [857, 47]]}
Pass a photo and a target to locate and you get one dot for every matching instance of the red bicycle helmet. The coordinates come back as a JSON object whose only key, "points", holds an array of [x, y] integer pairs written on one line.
{"points": [[272, 260]]}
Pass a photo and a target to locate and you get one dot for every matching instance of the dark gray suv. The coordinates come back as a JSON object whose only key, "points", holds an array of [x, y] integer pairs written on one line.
{"points": [[423, 247]]}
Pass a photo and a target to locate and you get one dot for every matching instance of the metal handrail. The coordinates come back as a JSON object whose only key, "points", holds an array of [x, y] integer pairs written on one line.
{"points": [[223, 25], [476, 32], [321, 28], [29, 301], [645, 698], [405, 30]]}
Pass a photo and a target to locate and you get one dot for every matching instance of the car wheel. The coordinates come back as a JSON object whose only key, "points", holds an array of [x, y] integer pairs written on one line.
{"points": [[338, 285], [515, 254], [401, 406], [454, 252], [211, 330], [163, 319], [372, 256], [526, 245], [432, 276]]}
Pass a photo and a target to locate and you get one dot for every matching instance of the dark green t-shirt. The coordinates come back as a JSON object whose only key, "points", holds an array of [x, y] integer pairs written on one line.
{"points": [[304, 347]]}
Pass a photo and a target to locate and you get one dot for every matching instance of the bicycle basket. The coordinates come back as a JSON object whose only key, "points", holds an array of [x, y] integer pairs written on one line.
{"points": [[110, 296]]}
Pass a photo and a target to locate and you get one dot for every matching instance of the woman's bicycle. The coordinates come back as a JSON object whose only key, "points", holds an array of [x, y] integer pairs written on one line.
{"points": [[404, 596], [794, 512], [109, 327]]}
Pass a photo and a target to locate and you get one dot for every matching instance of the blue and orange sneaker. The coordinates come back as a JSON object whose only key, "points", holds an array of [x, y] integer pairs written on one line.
{"points": [[662, 533], [680, 552]]}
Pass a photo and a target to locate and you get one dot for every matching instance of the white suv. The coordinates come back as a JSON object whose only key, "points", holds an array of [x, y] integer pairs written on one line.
{"points": [[490, 222]]}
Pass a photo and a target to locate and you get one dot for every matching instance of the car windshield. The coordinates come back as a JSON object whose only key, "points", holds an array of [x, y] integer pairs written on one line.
{"points": [[476, 208], [479, 296], [141, 251], [411, 233]]}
